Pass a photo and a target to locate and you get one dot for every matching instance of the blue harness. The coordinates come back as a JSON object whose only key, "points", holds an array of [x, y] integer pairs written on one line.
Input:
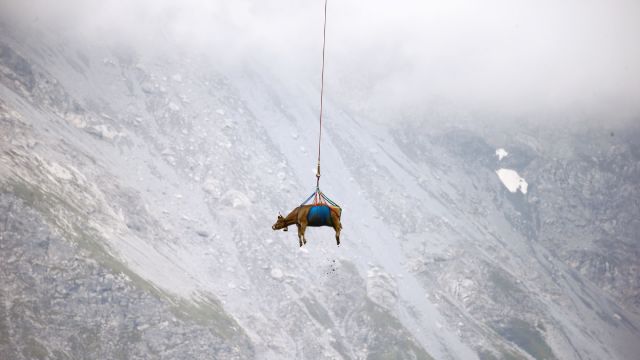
{"points": [[319, 216]]}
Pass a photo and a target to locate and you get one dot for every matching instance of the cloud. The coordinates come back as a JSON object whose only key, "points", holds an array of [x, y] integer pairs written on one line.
{"points": [[385, 58], [497, 55]]}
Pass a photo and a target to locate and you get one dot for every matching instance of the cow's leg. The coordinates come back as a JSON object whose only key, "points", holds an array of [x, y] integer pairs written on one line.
{"points": [[304, 228], [337, 227], [300, 232]]}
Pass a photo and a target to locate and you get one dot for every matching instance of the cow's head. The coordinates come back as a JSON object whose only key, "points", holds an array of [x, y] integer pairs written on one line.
{"points": [[280, 223]]}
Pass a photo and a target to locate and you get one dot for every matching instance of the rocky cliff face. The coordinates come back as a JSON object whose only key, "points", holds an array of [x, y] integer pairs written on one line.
{"points": [[139, 187], [64, 301]]}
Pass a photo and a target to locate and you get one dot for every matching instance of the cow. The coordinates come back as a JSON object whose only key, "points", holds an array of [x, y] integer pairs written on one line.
{"points": [[311, 215]]}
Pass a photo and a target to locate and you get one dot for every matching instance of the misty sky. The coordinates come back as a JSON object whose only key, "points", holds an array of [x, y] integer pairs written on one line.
{"points": [[512, 56]]}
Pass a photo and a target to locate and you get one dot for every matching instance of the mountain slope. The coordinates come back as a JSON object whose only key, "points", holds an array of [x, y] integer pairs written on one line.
{"points": [[139, 186]]}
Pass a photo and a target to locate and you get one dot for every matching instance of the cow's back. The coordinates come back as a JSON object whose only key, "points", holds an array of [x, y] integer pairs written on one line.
{"points": [[337, 210]]}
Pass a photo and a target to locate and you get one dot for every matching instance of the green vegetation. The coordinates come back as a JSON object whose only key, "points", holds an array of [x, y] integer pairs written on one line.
{"points": [[391, 340], [341, 350], [575, 277], [384, 336], [31, 195], [349, 288], [503, 283], [504, 354], [527, 337], [585, 302], [59, 355], [34, 350], [322, 316], [318, 312], [349, 267], [208, 312], [485, 355], [507, 355], [102, 256], [4, 328]]}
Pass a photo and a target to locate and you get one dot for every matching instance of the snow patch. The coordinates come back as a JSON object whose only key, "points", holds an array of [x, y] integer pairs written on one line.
{"points": [[512, 180], [501, 153]]}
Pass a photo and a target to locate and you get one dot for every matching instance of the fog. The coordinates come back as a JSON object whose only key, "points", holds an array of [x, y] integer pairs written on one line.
{"points": [[393, 59]]}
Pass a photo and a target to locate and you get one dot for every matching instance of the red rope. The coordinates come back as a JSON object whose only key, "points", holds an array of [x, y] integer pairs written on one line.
{"points": [[324, 40], [319, 200]]}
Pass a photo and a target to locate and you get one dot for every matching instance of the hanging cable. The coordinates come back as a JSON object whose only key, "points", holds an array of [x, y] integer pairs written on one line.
{"points": [[320, 202], [324, 40]]}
